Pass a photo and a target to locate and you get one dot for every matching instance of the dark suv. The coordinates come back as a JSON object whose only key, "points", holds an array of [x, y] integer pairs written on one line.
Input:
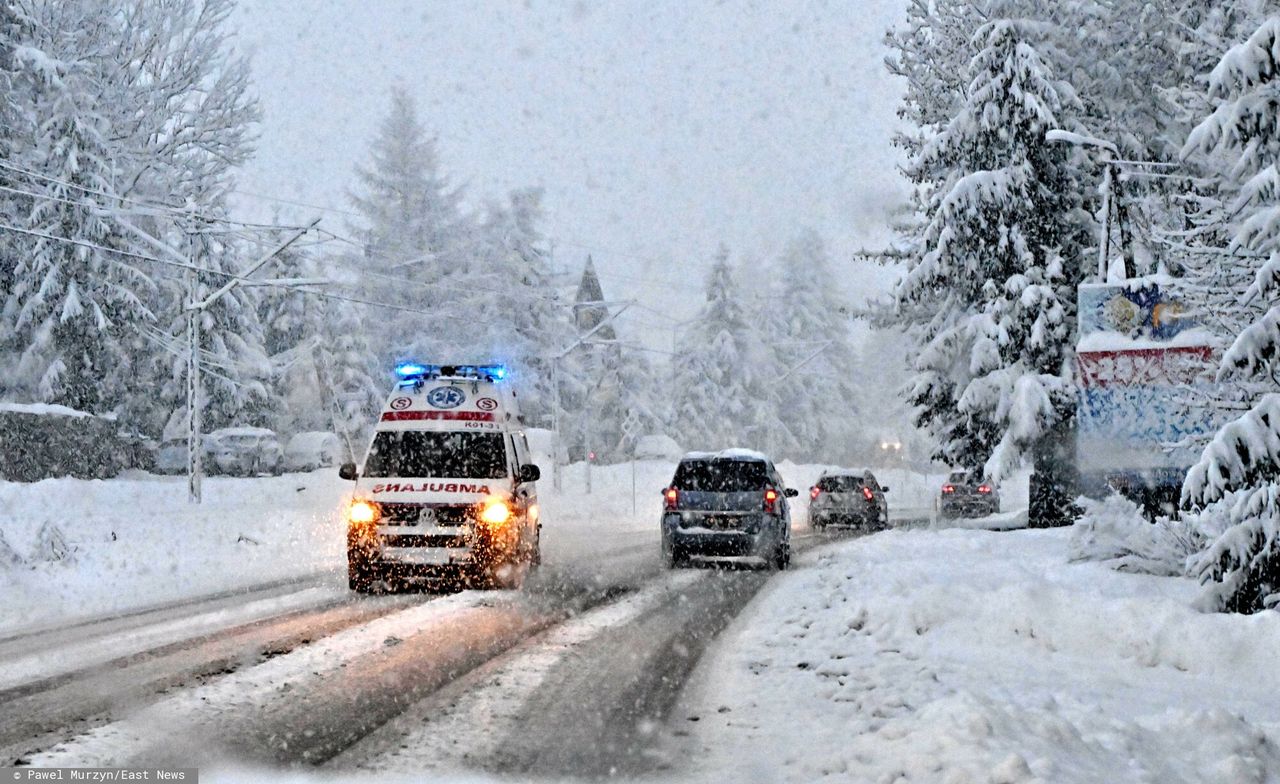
{"points": [[965, 495], [730, 503], [848, 498]]}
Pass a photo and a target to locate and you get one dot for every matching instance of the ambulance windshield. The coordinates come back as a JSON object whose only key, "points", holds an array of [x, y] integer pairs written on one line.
{"points": [[416, 454]]}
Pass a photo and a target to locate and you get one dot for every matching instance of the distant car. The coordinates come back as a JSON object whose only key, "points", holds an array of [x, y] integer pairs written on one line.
{"points": [[848, 498], [657, 447], [247, 451], [171, 456], [730, 503], [965, 495], [314, 449]]}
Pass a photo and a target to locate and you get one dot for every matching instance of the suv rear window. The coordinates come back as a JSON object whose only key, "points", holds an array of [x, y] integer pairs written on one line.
{"points": [[444, 455], [840, 484], [721, 476], [958, 477]]}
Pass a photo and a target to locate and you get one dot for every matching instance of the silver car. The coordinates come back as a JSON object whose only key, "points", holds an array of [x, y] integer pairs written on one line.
{"points": [[171, 456], [850, 498], [246, 451]]}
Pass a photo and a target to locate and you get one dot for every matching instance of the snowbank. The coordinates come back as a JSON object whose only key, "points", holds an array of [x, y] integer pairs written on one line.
{"points": [[974, 656], [79, 548], [72, 547]]}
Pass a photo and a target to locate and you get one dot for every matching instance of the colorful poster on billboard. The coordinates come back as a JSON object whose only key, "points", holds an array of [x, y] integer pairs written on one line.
{"points": [[1143, 361]]}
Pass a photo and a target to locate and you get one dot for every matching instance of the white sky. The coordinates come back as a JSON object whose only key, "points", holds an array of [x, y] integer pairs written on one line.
{"points": [[658, 128]]}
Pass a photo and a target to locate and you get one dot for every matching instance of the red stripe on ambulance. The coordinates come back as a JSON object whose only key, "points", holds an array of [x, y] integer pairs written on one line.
{"points": [[464, 416]]}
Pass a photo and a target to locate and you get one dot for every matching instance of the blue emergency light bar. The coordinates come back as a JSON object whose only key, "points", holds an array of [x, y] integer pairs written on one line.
{"points": [[412, 371]]}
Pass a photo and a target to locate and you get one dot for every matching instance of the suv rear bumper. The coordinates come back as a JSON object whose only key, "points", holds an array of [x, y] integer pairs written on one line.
{"points": [[845, 519], [969, 508], [756, 535]]}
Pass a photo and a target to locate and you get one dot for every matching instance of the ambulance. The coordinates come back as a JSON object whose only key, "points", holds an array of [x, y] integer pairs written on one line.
{"points": [[447, 490]]}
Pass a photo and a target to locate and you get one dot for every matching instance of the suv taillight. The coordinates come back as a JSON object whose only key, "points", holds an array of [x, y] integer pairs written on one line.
{"points": [[770, 501], [672, 498], [948, 488], [984, 489], [867, 494], [814, 492]]}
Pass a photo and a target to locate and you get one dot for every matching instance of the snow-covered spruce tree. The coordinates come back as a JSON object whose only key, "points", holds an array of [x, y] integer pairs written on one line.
{"points": [[349, 376], [166, 99], [1237, 479], [716, 397], [69, 306], [815, 406], [989, 299], [293, 328], [516, 311], [617, 380], [412, 227]]}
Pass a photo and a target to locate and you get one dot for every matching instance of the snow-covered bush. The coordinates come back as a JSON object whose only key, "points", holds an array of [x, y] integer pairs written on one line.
{"points": [[1116, 532]]}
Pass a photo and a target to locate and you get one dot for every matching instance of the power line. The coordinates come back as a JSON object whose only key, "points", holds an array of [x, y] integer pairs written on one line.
{"points": [[158, 208]]}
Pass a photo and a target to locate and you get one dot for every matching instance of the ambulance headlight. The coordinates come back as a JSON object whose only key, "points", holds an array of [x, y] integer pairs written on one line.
{"points": [[362, 512], [495, 512]]}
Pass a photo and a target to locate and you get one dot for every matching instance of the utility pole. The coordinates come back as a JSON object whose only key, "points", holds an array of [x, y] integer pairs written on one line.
{"points": [[555, 375], [195, 311], [195, 450]]}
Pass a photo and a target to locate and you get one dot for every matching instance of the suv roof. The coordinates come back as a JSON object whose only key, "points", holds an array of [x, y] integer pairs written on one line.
{"points": [[857, 472], [727, 454]]}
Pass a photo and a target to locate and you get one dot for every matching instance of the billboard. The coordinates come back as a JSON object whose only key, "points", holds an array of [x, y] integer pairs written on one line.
{"points": [[1142, 364]]}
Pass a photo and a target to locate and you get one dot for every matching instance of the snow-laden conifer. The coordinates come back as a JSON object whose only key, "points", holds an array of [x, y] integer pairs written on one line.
{"points": [[989, 299], [715, 388], [1238, 475]]}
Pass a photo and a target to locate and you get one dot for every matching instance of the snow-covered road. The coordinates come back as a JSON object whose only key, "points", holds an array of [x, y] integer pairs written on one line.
{"points": [[304, 676]]}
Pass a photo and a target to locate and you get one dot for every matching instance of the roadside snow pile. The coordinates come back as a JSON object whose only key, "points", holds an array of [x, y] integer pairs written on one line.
{"points": [[86, 547], [971, 656], [1115, 532]]}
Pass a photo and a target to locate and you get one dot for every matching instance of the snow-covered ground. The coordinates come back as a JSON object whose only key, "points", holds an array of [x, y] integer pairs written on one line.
{"points": [[975, 656], [135, 541]]}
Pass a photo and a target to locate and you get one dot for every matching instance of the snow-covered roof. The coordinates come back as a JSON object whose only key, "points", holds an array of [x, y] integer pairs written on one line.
{"points": [[736, 453], [48, 409], [1117, 341], [242, 431], [312, 440], [858, 472]]}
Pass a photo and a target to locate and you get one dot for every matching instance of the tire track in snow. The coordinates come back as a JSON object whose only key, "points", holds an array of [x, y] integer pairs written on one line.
{"points": [[465, 723]]}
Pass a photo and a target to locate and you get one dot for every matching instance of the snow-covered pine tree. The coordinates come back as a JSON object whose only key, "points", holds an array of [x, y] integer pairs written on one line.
{"points": [[815, 405], [347, 369], [515, 300], [989, 299], [600, 410], [293, 328], [71, 302], [1236, 482], [715, 393], [412, 227]]}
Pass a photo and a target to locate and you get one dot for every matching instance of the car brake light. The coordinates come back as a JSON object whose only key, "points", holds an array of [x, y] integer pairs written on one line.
{"points": [[984, 489], [867, 494], [672, 497], [770, 500], [814, 492], [948, 488]]}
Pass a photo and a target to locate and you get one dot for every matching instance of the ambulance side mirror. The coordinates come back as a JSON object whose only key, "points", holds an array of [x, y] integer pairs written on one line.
{"points": [[347, 471], [529, 473]]}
